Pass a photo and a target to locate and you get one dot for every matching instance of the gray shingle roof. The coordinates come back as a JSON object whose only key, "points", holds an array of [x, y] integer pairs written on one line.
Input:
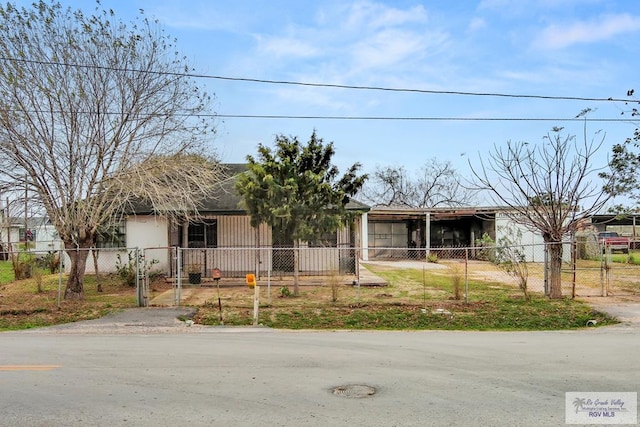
{"points": [[225, 200]]}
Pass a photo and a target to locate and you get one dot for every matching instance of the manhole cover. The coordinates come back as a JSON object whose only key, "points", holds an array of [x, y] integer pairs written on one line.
{"points": [[354, 391]]}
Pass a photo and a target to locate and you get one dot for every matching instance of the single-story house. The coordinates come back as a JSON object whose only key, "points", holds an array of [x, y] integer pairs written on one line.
{"points": [[222, 238]]}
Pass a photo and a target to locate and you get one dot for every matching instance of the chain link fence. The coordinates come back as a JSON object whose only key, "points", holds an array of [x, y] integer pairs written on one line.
{"points": [[587, 268], [132, 267]]}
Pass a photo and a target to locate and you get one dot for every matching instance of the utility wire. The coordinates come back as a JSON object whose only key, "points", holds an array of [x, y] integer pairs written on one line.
{"points": [[452, 119], [354, 118], [324, 85]]}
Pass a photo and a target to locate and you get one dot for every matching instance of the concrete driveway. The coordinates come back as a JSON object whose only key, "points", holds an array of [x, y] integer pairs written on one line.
{"points": [[625, 309]]}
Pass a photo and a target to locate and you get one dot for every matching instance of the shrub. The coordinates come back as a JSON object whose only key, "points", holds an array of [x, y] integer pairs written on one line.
{"points": [[333, 283], [50, 261], [456, 279], [23, 265], [487, 248], [285, 292], [127, 270]]}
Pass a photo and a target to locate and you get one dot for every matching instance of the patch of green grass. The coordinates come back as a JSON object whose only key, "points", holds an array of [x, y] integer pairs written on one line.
{"points": [[510, 314], [633, 257], [416, 300], [22, 306], [6, 272]]}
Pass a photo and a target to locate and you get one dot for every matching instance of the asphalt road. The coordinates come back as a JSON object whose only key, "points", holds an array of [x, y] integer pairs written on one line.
{"points": [[131, 375]]}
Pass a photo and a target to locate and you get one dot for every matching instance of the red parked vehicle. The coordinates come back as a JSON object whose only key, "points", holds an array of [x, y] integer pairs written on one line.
{"points": [[613, 241]]}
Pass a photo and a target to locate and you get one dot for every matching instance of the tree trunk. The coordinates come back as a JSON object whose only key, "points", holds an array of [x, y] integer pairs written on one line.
{"points": [[555, 267], [296, 266], [78, 256]]}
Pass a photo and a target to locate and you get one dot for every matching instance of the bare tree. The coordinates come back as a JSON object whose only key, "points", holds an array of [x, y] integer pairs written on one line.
{"points": [[97, 113], [548, 188], [436, 184]]}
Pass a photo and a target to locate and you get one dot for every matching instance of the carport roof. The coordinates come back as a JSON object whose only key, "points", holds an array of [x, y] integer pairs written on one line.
{"points": [[612, 219], [399, 213]]}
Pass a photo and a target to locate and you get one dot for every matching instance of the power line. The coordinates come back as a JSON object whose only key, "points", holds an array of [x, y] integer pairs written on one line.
{"points": [[383, 118], [347, 118], [325, 85], [425, 91], [353, 118]]}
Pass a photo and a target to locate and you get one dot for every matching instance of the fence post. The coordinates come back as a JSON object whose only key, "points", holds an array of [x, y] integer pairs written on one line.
{"points": [[466, 275], [574, 261], [270, 264], [607, 272], [546, 268], [144, 283], [137, 264], [61, 252], [176, 296]]}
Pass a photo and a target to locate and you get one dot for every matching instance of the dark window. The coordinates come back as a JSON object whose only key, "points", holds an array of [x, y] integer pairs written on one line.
{"points": [[28, 235], [112, 236], [203, 234]]}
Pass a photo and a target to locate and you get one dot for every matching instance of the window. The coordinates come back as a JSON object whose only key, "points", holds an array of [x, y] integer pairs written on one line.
{"points": [[112, 236], [203, 234], [27, 235]]}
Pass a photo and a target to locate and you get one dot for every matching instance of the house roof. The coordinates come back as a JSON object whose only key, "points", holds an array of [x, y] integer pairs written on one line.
{"points": [[32, 222], [226, 201]]}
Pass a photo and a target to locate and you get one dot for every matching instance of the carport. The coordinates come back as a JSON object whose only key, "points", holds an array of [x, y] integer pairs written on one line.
{"points": [[624, 225]]}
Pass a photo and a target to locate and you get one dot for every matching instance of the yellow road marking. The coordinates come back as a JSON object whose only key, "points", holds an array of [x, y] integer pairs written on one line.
{"points": [[28, 367]]}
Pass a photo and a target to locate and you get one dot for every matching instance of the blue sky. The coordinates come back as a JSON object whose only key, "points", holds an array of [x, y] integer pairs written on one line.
{"points": [[572, 48]]}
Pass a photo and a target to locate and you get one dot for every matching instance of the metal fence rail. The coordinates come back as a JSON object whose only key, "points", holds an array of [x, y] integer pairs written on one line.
{"points": [[586, 271]]}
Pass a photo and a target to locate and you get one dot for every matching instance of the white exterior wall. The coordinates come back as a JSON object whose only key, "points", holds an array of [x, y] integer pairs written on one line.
{"points": [[12, 235], [142, 231], [47, 238], [147, 231], [151, 233], [364, 236], [531, 241]]}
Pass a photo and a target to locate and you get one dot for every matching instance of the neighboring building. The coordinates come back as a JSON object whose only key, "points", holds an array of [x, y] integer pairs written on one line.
{"points": [[410, 232], [39, 232]]}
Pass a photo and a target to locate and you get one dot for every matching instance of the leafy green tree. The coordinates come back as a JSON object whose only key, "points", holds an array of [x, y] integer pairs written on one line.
{"points": [[95, 114], [296, 190], [624, 177]]}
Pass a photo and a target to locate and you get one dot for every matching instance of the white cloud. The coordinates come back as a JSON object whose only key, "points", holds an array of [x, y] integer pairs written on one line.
{"points": [[477, 24], [396, 49], [558, 36], [518, 7], [375, 15], [285, 47]]}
